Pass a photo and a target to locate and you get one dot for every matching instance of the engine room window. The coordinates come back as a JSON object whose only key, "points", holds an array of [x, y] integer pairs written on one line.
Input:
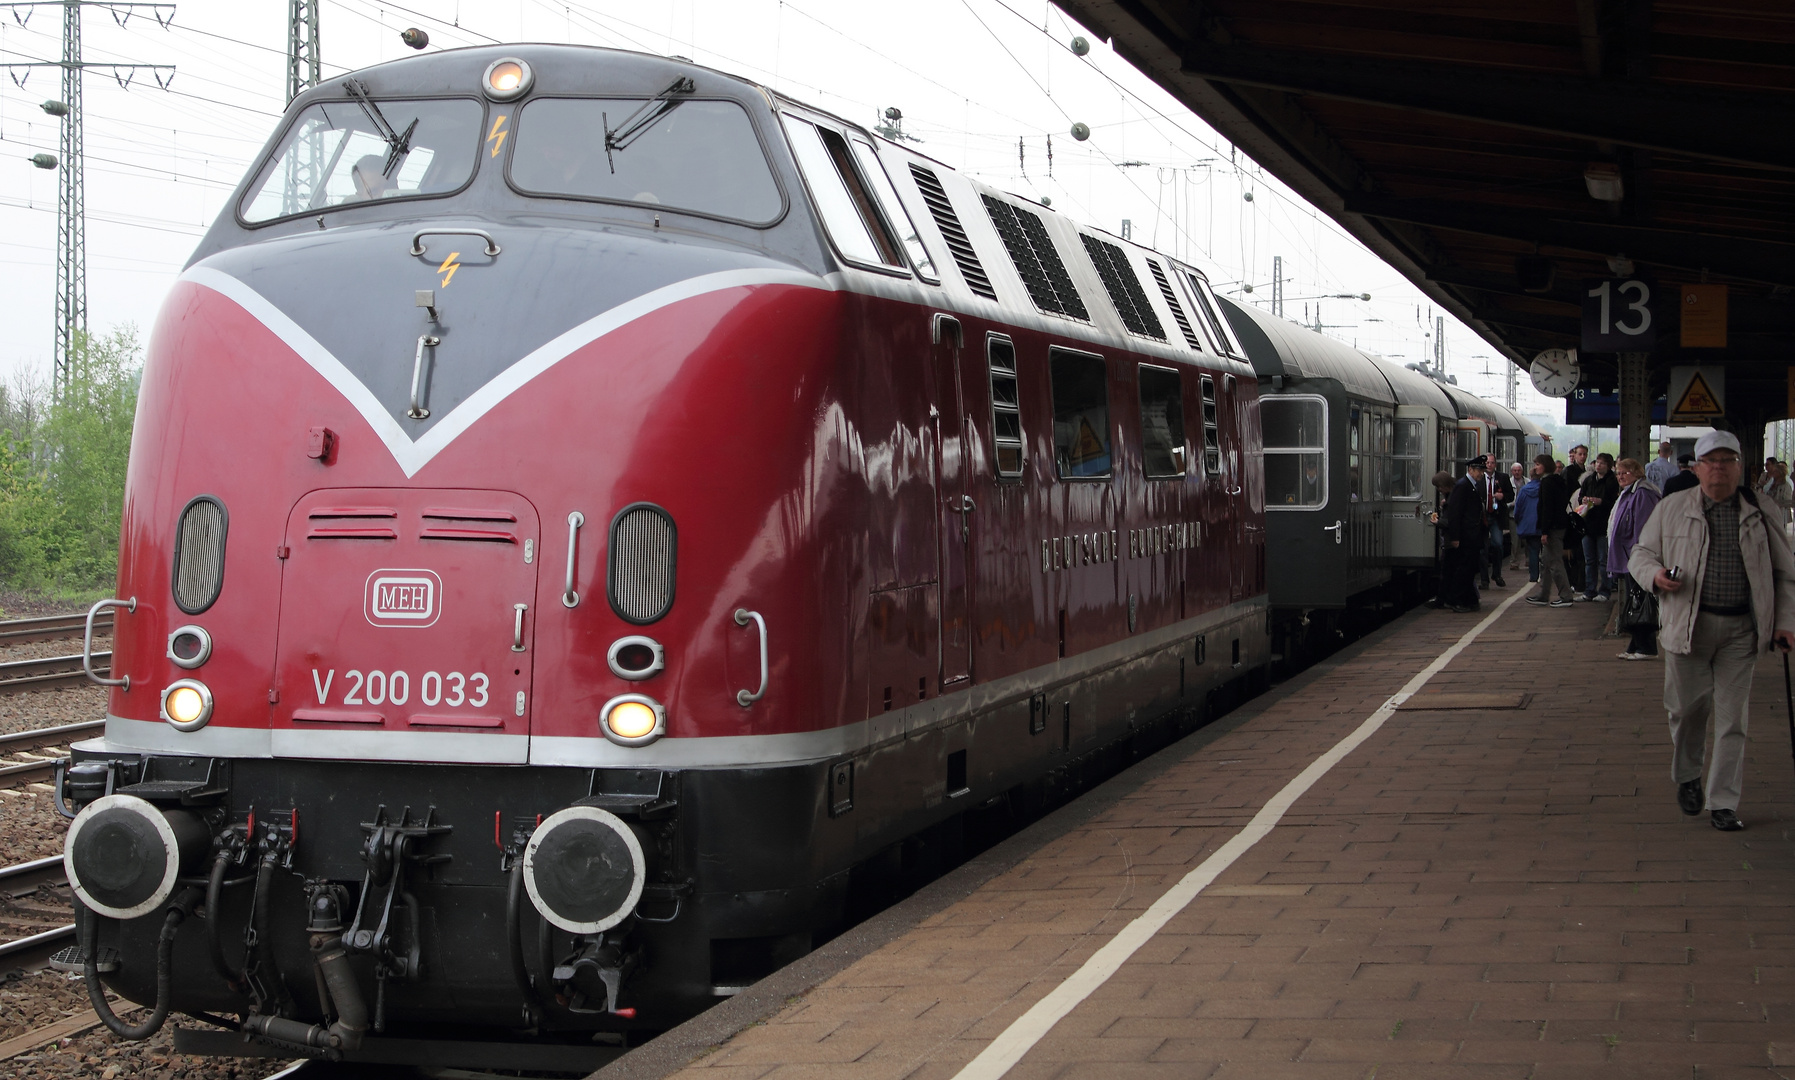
{"points": [[1162, 422], [1406, 460], [1295, 435], [841, 198], [1006, 406], [336, 155], [895, 214], [1081, 440], [700, 157]]}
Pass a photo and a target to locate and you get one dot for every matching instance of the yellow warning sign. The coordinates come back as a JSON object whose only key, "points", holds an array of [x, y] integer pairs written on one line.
{"points": [[1703, 321], [1696, 395], [1089, 446]]}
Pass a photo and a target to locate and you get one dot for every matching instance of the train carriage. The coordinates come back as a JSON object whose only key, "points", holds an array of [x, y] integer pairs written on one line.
{"points": [[588, 515]]}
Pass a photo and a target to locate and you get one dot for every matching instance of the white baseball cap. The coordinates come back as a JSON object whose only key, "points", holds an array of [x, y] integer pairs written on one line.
{"points": [[1716, 440]]}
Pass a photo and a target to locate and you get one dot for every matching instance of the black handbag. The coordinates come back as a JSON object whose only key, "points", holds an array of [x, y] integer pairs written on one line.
{"points": [[1639, 611]]}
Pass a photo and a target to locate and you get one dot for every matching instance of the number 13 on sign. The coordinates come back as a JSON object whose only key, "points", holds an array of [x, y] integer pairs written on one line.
{"points": [[1617, 316]]}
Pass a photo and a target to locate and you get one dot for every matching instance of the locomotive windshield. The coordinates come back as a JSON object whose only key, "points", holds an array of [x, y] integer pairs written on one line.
{"points": [[336, 155], [699, 156]]}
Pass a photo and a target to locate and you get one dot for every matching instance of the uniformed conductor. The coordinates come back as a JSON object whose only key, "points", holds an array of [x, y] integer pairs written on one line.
{"points": [[1725, 583]]}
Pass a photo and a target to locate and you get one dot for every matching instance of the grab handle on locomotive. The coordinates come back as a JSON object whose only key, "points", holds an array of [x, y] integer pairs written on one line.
{"points": [[570, 598], [130, 607], [1335, 528], [417, 410], [743, 697], [417, 248], [517, 626]]}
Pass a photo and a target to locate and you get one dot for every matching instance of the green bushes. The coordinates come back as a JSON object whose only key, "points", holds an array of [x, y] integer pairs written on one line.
{"points": [[62, 470]]}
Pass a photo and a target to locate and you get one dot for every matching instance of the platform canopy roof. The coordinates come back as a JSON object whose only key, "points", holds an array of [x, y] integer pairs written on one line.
{"points": [[1501, 153]]}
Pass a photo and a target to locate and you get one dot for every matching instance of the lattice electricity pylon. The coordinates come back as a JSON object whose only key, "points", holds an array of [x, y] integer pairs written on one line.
{"points": [[304, 64], [71, 208]]}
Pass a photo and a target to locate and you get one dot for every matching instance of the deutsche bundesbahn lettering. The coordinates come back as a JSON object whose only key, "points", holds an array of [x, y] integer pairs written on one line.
{"points": [[1081, 549]]}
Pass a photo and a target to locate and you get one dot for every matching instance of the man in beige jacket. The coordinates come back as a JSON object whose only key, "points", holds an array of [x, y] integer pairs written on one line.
{"points": [[1725, 582]]}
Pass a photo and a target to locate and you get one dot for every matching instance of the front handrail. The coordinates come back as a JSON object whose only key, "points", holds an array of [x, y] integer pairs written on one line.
{"points": [[742, 617], [130, 607], [492, 246], [418, 411], [575, 519]]}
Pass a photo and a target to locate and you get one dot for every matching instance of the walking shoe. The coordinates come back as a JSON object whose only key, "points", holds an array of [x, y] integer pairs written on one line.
{"points": [[1602, 598], [1636, 656], [1689, 797], [1562, 602], [1462, 610], [1540, 600], [1582, 598], [1726, 820], [1500, 584]]}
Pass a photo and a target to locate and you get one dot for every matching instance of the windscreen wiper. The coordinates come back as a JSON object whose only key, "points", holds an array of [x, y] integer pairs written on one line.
{"points": [[398, 144], [650, 114]]}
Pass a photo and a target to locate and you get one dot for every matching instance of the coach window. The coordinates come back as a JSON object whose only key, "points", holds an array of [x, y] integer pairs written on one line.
{"points": [[1006, 406], [895, 213], [1081, 437], [841, 199], [1294, 431], [1162, 422], [1405, 460]]}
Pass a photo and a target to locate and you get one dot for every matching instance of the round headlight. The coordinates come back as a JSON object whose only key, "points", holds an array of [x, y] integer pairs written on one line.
{"points": [[508, 78], [633, 720], [189, 647], [187, 705], [636, 658]]}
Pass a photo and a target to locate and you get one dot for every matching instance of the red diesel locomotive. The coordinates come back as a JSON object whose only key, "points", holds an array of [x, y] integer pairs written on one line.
{"points": [[585, 510]]}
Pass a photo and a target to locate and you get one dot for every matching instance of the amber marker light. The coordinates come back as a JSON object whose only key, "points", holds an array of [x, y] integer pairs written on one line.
{"points": [[187, 705], [508, 78], [633, 720]]}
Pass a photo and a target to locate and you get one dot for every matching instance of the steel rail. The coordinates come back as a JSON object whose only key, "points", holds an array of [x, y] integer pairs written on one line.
{"points": [[23, 676], [23, 879], [48, 628], [19, 743]]}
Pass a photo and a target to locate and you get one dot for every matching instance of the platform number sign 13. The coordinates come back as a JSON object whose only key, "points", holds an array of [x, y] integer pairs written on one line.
{"points": [[1617, 316]]}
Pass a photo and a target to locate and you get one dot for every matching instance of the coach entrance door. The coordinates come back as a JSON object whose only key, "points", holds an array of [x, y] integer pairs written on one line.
{"points": [[957, 514]]}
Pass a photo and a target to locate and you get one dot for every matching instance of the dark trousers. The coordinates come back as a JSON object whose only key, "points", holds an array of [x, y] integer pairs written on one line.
{"points": [[1459, 587]]}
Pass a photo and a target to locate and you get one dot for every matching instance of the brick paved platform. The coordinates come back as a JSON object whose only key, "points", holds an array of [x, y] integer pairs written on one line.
{"points": [[1501, 892]]}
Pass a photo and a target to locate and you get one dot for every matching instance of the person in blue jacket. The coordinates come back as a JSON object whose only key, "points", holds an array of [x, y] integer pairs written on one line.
{"points": [[1527, 521]]}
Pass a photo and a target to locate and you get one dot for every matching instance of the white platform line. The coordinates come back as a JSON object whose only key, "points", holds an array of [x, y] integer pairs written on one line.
{"points": [[1029, 1028]]}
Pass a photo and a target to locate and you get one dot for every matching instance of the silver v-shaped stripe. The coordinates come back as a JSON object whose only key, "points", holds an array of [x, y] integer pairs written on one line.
{"points": [[411, 455]]}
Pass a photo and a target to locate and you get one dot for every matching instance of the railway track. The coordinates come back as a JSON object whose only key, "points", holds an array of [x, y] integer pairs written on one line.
{"points": [[20, 758], [48, 673], [52, 627], [33, 952]]}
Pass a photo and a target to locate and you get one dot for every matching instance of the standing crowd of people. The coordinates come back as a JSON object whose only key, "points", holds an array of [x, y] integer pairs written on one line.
{"points": [[1698, 555]]}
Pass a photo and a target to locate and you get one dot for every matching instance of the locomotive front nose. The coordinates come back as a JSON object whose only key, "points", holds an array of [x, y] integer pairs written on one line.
{"points": [[584, 869], [123, 854]]}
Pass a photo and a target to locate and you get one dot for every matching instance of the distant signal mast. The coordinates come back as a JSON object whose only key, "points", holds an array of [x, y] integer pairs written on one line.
{"points": [[71, 199]]}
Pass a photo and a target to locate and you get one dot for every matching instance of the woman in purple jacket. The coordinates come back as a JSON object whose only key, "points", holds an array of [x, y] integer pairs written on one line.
{"points": [[1638, 498]]}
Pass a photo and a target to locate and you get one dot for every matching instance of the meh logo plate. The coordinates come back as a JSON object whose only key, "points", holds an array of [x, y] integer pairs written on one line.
{"points": [[403, 597]]}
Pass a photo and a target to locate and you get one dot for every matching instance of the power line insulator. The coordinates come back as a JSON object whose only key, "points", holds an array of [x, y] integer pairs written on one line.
{"points": [[1080, 46], [414, 37], [55, 108], [43, 161], [1081, 131]]}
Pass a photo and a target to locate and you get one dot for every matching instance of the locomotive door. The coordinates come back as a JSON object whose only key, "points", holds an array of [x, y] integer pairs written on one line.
{"points": [[406, 626], [956, 511]]}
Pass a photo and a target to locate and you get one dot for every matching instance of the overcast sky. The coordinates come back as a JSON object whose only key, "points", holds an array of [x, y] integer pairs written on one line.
{"points": [[984, 84]]}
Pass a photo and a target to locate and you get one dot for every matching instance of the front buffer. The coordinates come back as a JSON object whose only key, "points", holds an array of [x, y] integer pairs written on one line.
{"points": [[361, 911]]}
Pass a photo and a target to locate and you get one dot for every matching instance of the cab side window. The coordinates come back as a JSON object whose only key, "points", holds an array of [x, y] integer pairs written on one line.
{"points": [[1081, 435], [1162, 423]]}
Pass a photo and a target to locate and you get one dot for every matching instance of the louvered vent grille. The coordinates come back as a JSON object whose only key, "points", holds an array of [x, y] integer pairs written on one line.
{"points": [[199, 555], [1124, 287], [1165, 290], [1039, 265], [642, 556], [951, 230]]}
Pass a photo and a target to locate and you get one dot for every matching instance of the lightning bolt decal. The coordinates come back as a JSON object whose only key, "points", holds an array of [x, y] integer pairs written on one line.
{"points": [[448, 268], [497, 136]]}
